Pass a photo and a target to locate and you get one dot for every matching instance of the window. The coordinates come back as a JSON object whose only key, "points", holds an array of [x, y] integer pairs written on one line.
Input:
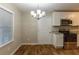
{"points": [[6, 26]]}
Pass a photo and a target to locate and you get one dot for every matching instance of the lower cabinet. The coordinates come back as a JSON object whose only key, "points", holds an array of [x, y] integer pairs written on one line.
{"points": [[58, 40], [70, 45]]}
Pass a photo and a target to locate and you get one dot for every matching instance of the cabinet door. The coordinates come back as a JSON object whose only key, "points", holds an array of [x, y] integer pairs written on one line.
{"points": [[74, 16], [54, 39], [56, 19], [57, 16], [59, 41]]}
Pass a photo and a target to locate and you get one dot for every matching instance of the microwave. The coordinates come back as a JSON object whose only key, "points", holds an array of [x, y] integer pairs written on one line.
{"points": [[66, 21]]}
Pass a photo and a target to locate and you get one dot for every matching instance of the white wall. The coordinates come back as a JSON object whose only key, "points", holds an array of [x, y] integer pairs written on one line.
{"points": [[44, 30], [25, 30], [8, 49], [29, 28]]}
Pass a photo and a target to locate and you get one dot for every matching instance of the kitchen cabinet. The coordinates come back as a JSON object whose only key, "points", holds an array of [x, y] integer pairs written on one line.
{"points": [[74, 16], [57, 40], [57, 16]]}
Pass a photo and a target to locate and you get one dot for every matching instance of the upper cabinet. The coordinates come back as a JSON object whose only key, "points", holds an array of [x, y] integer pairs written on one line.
{"points": [[57, 16], [75, 18]]}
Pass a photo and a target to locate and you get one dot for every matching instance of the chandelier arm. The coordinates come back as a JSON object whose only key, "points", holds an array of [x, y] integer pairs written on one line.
{"points": [[38, 13]]}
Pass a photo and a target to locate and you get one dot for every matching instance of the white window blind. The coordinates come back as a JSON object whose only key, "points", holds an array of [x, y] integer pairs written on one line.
{"points": [[6, 26]]}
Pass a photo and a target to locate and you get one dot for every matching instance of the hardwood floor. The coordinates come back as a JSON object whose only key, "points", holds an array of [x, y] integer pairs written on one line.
{"points": [[44, 50]]}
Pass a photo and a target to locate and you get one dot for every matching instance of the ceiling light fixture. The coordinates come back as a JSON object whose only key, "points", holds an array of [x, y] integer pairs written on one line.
{"points": [[38, 14]]}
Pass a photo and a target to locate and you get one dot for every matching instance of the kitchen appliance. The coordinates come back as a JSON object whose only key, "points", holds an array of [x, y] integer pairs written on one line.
{"points": [[70, 39], [65, 22]]}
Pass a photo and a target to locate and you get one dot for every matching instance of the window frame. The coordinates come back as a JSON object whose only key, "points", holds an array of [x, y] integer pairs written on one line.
{"points": [[10, 11]]}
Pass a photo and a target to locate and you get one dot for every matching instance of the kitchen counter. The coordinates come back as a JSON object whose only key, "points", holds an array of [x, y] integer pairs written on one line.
{"points": [[56, 32]]}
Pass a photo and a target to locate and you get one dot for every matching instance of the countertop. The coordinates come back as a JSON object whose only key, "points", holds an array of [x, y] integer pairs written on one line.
{"points": [[56, 32]]}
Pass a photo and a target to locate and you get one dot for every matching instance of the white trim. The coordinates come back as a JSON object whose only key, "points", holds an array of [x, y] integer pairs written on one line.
{"points": [[8, 10], [58, 46], [16, 49], [6, 43], [12, 24], [34, 44]]}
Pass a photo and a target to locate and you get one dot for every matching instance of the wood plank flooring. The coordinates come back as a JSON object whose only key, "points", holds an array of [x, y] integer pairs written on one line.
{"points": [[44, 50]]}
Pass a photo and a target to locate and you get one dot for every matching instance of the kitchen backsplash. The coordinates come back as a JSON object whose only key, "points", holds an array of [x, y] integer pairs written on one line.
{"points": [[74, 29]]}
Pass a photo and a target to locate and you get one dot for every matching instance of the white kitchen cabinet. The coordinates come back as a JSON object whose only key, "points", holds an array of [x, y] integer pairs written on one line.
{"points": [[57, 40], [57, 16], [56, 19]]}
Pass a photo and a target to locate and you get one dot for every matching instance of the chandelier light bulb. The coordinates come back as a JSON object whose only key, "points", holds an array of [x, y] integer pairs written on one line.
{"points": [[38, 14], [43, 13], [38, 11], [32, 12], [34, 15]]}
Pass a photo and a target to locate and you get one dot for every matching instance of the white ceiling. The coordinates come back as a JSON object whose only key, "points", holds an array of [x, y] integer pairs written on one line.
{"points": [[48, 7]]}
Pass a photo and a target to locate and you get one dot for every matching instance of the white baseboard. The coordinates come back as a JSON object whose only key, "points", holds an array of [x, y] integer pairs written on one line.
{"points": [[34, 43], [16, 49]]}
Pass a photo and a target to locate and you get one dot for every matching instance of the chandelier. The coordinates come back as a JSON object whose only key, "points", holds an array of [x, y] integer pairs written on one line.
{"points": [[38, 14]]}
